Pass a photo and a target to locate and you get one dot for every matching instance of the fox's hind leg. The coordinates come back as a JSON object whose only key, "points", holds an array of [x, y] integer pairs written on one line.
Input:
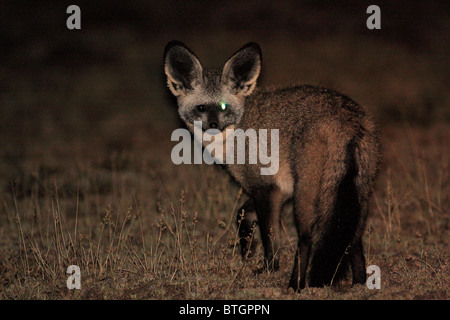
{"points": [[305, 199], [298, 277], [357, 259], [246, 224], [357, 262], [308, 169]]}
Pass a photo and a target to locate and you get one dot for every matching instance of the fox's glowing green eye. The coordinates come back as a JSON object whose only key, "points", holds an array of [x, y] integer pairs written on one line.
{"points": [[223, 106]]}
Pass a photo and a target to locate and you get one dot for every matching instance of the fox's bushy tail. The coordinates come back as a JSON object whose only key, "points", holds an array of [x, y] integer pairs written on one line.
{"points": [[339, 218]]}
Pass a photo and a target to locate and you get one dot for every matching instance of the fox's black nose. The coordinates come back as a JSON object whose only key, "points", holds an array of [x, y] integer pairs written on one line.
{"points": [[213, 125]]}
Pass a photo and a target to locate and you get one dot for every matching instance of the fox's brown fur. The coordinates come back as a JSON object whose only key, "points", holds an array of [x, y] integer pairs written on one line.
{"points": [[328, 162]]}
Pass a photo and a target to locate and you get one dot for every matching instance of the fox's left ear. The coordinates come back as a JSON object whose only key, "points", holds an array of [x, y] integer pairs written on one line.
{"points": [[243, 68]]}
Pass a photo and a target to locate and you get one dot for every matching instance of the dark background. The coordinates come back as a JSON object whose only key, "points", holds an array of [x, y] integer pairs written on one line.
{"points": [[68, 93]]}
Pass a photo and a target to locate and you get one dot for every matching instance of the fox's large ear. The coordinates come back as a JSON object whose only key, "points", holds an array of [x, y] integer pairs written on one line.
{"points": [[243, 68], [182, 67]]}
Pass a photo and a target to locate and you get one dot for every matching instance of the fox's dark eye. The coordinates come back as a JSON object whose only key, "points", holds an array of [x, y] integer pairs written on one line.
{"points": [[223, 106], [201, 108]]}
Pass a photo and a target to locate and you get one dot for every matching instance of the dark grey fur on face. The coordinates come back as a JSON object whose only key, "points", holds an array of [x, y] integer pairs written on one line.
{"points": [[213, 116], [195, 86]]}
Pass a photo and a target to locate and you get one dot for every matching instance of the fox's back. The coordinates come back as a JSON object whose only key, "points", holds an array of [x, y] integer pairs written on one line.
{"points": [[302, 114], [293, 108]]}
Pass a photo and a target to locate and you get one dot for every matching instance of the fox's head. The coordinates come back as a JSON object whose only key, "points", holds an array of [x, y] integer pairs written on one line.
{"points": [[214, 96]]}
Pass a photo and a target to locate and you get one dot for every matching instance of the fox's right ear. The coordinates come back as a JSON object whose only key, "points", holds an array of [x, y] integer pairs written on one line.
{"points": [[182, 67]]}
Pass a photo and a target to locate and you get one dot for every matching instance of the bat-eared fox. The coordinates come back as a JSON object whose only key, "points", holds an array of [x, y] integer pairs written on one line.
{"points": [[328, 160]]}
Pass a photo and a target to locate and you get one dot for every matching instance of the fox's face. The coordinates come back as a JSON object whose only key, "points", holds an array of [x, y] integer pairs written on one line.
{"points": [[214, 97]]}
